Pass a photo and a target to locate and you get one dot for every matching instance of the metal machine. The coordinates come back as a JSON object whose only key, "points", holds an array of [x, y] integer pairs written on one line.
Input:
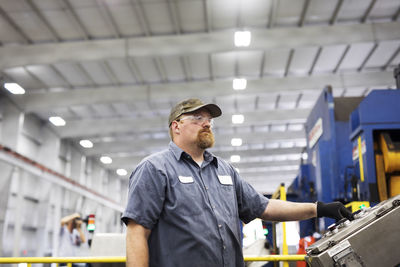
{"points": [[338, 131], [375, 134], [328, 173], [371, 239]]}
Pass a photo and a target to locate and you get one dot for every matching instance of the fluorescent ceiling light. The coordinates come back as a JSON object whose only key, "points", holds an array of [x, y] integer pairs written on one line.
{"points": [[242, 38], [106, 160], [239, 84], [57, 121], [235, 158], [122, 172], [237, 119], [86, 143], [236, 141], [14, 88]]}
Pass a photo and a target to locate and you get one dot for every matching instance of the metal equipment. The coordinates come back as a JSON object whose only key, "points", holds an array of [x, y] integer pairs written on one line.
{"points": [[371, 239], [328, 173], [375, 134]]}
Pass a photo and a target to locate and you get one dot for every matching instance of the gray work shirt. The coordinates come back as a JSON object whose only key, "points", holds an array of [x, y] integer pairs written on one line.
{"points": [[193, 212]]}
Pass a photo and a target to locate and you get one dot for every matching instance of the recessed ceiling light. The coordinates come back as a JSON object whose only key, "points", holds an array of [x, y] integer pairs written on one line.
{"points": [[86, 143], [236, 141], [14, 88], [235, 158], [239, 84], [242, 38], [237, 119], [57, 121], [106, 160], [122, 172]]}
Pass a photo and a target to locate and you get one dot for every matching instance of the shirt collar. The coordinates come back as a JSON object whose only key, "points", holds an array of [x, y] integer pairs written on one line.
{"points": [[178, 152]]}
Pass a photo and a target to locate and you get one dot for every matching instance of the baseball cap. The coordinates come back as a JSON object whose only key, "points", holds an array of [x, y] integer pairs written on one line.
{"points": [[191, 105]]}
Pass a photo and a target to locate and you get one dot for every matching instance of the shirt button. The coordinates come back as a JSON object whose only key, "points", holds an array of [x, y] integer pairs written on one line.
{"points": [[224, 247], [206, 187], [219, 225], [213, 206]]}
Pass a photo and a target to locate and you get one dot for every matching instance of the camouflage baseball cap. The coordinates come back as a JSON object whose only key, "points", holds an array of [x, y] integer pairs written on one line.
{"points": [[191, 105]]}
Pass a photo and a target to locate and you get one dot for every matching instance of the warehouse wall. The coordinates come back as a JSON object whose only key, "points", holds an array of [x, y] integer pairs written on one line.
{"points": [[30, 205]]}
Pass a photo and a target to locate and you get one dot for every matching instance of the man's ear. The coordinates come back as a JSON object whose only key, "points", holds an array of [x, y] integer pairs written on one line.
{"points": [[175, 127]]}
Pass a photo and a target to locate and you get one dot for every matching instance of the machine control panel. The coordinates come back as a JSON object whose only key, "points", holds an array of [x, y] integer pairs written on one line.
{"points": [[345, 241]]}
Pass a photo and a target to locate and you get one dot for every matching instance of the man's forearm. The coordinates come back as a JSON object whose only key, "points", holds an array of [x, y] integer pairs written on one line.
{"points": [[137, 250], [278, 210]]}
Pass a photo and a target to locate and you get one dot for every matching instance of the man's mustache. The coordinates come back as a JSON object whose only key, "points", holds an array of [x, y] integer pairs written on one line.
{"points": [[206, 130]]}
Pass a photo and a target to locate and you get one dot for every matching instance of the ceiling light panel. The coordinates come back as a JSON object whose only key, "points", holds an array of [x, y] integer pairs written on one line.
{"points": [[121, 172], [242, 38], [57, 121], [22, 77], [237, 118], [239, 83], [86, 143], [14, 88], [236, 141], [106, 160], [235, 158]]}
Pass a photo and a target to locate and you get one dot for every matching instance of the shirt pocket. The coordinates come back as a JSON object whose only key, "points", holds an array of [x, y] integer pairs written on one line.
{"points": [[187, 196], [227, 200]]}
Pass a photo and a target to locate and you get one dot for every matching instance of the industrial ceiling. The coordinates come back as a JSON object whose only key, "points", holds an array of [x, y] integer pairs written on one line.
{"points": [[112, 69]]}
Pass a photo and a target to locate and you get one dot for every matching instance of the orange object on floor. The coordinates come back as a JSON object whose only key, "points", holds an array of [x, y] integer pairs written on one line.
{"points": [[304, 243]]}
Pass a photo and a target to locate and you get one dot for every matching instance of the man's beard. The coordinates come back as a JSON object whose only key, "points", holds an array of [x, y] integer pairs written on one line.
{"points": [[205, 138]]}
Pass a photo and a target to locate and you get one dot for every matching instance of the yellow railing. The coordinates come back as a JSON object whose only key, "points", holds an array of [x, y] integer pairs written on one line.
{"points": [[280, 193], [70, 260]]}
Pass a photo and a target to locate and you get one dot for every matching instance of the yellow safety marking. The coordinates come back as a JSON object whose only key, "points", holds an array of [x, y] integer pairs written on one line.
{"points": [[360, 158], [299, 257], [30, 260], [285, 249]]}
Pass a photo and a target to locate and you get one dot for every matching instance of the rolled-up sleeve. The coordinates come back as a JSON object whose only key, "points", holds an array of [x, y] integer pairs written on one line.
{"points": [[146, 195]]}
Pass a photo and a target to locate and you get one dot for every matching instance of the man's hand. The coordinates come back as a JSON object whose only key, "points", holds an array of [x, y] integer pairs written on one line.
{"points": [[334, 210]]}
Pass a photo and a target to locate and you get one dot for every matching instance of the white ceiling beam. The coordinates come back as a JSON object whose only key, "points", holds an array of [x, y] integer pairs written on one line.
{"points": [[205, 43], [36, 102], [136, 148], [102, 127]]}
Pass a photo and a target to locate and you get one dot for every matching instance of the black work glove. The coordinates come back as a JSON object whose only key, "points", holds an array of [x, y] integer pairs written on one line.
{"points": [[335, 210]]}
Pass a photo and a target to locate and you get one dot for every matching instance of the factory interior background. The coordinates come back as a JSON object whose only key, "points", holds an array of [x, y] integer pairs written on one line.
{"points": [[87, 87]]}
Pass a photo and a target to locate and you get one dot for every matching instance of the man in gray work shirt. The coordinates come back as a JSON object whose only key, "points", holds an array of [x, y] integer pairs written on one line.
{"points": [[185, 204]]}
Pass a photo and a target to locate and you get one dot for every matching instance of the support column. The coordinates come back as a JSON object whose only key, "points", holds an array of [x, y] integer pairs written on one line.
{"points": [[6, 172], [19, 211]]}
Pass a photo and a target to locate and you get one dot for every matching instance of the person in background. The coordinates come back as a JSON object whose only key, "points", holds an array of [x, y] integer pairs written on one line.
{"points": [[72, 239], [185, 204]]}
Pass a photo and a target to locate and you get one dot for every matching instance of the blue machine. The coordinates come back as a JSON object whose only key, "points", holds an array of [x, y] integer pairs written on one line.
{"points": [[375, 125], [326, 176], [338, 129]]}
